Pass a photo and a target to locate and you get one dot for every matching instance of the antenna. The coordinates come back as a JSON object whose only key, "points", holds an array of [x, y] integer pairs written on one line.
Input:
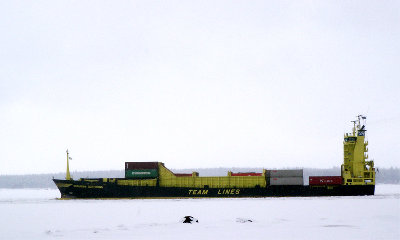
{"points": [[361, 118], [354, 127]]}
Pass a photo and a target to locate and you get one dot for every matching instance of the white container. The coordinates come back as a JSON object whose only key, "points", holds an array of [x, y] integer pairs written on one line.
{"points": [[286, 181], [285, 173]]}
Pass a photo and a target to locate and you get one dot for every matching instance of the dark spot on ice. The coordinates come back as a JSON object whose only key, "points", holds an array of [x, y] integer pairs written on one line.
{"points": [[243, 220], [189, 219]]}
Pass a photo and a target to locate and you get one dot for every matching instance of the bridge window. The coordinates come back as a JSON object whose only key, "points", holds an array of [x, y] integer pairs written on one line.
{"points": [[350, 139]]}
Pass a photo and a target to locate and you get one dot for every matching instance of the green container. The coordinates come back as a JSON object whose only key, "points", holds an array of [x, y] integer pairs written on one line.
{"points": [[141, 173]]}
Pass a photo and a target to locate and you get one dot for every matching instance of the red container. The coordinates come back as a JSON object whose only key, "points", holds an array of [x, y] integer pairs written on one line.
{"points": [[140, 165], [325, 180], [246, 174], [183, 174]]}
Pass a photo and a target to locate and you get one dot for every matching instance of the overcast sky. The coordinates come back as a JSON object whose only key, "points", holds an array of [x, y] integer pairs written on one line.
{"points": [[196, 83]]}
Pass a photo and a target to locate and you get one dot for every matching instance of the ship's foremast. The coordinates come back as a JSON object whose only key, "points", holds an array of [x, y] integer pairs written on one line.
{"points": [[68, 175]]}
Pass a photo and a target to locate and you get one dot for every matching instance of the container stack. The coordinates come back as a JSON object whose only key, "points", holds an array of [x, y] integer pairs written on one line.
{"points": [[285, 177], [141, 170]]}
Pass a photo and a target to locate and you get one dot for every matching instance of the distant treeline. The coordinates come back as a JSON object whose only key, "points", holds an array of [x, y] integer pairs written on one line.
{"points": [[383, 175]]}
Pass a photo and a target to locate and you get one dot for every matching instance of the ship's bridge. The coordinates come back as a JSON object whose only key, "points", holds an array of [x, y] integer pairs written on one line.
{"points": [[356, 169]]}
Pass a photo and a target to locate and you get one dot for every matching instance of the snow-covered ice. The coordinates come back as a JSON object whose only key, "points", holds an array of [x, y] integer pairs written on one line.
{"points": [[37, 214]]}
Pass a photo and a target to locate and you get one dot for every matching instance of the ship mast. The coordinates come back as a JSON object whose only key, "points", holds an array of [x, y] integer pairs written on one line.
{"points": [[68, 176]]}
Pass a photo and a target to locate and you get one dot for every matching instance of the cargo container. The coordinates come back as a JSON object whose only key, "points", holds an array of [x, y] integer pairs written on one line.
{"points": [[325, 180], [285, 181], [285, 173], [141, 173], [183, 174], [246, 174], [141, 165]]}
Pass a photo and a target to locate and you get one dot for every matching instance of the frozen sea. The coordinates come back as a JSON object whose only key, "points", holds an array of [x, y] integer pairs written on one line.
{"points": [[37, 214]]}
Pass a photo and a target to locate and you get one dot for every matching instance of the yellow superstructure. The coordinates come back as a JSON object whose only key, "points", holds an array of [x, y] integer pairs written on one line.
{"points": [[356, 169]]}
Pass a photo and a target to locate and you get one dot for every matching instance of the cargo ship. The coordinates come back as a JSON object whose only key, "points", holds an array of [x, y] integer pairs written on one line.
{"points": [[155, 180]]}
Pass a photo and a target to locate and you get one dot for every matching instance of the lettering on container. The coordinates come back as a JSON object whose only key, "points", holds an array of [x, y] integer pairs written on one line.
{"points": [[141, 173], [327, 181]]}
